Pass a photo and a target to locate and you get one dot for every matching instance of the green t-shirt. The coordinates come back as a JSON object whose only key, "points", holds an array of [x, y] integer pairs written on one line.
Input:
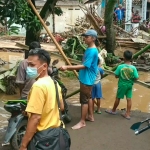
{"points": [[126, 73]]}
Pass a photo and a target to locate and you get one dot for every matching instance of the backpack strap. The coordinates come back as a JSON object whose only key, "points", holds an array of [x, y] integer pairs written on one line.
{"points": [[58, 100]]}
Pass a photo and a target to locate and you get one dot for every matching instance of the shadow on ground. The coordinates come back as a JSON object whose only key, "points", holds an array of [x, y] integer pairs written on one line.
{"points": [[108, 132]]}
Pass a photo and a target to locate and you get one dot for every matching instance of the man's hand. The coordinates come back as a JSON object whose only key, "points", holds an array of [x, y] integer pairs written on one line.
{"points": [[24, 113], [23, 148], [63, 68]]}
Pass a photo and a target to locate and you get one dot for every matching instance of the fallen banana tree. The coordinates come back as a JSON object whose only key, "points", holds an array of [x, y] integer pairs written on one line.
{"points": [[74, 48], [7, 80]]}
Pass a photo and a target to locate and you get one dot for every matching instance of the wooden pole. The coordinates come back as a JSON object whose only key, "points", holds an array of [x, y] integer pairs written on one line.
{"points": [[52, 37], [135, 55]]}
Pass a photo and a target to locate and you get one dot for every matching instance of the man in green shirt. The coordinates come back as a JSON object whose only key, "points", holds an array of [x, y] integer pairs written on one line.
{"points": [[127, 75]]}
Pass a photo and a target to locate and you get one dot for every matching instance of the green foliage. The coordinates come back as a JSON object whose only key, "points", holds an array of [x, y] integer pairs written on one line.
{"points": [[69, 74], [58, 11], [11, 30], [18, 12], [111, 59], [74, 48]]}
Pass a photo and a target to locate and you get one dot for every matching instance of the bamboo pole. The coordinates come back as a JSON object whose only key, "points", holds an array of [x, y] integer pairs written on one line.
{"points": [[136, 55], [73, 93], [52, 37]]}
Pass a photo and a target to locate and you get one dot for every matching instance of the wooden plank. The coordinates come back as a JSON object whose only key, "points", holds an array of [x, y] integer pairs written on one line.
{"points": [[47, 46], [9, 44], [73, 61], [25, 47], [138, 40]]}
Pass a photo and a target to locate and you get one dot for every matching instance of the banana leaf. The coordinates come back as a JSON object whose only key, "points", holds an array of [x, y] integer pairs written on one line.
{"points": [[5, 74], [2, 87], [14, 70]]}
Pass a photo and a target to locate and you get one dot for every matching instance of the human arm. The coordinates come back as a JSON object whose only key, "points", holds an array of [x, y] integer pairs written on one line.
{"points": [[50, 70], [115, 12], [60, 98], [117, 72], [75, 67], [21, 86], [136, 75], [31, 130], [101, 72], [88, 58], [21, 76]]}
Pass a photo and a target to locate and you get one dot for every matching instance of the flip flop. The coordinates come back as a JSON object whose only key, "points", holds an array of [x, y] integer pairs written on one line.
{"points": [[127, 117], [97, 112], [110, 112]]}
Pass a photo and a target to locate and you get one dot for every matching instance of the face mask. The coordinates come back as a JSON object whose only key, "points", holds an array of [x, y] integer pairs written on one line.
{"points": [[32, 73]]}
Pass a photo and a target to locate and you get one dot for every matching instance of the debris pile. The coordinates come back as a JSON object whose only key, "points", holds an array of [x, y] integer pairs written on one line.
{"points": [[7, 80], [74, 48]]}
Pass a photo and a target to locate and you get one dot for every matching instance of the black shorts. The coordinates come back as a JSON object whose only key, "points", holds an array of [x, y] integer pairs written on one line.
{"points": [[85, 93]]}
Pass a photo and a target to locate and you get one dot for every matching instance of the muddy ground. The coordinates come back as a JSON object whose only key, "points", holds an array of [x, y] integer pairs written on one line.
{"points": [[107, 132]]}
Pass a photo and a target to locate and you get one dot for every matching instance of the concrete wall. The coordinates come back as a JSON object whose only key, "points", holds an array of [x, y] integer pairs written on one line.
{"points": [[70, 14]]}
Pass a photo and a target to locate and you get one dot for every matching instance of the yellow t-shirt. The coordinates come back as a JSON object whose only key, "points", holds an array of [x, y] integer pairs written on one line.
{"points": [[42, 100]]}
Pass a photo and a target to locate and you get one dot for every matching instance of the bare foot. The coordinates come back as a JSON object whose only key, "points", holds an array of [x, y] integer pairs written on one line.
{"points": [[79, 126], [126, 116], [89, 119]]}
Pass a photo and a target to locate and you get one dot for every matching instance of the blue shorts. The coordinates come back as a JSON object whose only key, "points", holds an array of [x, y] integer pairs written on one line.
{"points": [[97, 91]]}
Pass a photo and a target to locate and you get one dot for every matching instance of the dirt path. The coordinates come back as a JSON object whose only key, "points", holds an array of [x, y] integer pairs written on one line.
{"points": [[108, 132]]}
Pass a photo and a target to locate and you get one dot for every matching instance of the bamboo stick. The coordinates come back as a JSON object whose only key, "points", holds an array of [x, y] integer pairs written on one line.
{"points": [[73, 93], [136, 55], [51, 35]]}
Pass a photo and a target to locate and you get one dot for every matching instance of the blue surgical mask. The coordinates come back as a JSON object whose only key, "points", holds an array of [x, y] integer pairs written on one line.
{"points": [[32, 73]]}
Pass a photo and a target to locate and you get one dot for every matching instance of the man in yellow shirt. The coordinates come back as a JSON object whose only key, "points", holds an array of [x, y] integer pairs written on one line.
{"points": [[42, 105]]}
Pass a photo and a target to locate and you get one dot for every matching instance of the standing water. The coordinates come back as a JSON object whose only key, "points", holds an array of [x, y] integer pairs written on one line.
{"points": [[140, 100], [141, 95]]}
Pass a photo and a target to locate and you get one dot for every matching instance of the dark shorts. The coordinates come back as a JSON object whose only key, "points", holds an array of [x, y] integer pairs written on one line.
{"points": [[85, 93]]}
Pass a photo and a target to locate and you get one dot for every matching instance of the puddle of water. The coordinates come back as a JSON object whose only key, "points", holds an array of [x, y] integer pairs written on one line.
{"points": [[140, 100]]}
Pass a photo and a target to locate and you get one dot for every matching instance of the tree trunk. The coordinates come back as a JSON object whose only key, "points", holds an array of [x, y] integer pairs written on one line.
{"points": [[110, 33], [30, 36], [34, 36], [53, 22]]}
